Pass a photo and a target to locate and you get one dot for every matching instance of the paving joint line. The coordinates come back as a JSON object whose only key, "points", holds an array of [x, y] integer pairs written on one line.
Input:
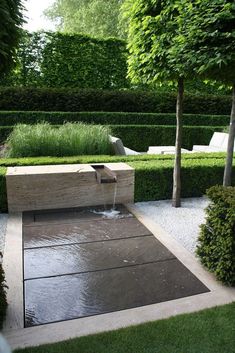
{"points": [[104, 269]]}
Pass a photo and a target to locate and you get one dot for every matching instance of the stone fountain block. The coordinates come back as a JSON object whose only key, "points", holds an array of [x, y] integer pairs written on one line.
{"points": [[65, 186]]}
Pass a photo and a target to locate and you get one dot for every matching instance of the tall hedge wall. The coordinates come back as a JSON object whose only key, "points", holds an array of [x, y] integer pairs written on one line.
{"points": [[140, 137], [50, 59], [8, 118], [41, 99]]}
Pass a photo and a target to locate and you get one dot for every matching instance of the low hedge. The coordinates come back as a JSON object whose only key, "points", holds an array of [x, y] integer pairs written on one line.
{"points": [[153, 178], [139, 137], [216, 247], [11, 162], [63, 99], [8, 118]]}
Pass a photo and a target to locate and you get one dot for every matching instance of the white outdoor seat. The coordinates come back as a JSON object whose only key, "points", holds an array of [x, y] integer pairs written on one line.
{"points": [[120, 149], [218, 143]]}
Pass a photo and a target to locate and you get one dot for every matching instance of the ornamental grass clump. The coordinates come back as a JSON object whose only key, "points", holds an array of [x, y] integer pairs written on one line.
{"points": [[65, 140], [216, 247]]}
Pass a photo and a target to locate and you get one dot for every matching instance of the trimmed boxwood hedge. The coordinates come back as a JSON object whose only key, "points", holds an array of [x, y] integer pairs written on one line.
{"points": [[41, 99], [216, 247], [153, 178], [139, 137], [11, 162], [8, 118]]}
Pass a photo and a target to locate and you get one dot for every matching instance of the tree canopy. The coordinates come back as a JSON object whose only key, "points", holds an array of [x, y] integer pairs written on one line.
{"points": [[155, 32], [98, 18], [11, 15], [209, 39]]}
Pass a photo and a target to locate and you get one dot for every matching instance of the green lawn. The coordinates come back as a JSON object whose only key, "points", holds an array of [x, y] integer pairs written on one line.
{"points": [[208, 331]]}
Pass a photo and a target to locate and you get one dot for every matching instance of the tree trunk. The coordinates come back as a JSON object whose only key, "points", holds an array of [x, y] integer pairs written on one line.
{"points": [[229, 159], [178, 143]]}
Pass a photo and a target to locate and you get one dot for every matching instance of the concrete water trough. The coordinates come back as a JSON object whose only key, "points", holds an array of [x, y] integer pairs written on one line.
{"points": [[64, 186]]}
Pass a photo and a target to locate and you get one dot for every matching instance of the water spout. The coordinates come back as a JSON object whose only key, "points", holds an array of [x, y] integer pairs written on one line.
{"points": [[104, 175]]}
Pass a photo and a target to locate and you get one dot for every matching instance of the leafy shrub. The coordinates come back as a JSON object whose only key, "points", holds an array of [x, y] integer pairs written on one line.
{"points": [[8, 118], [3, 298], [45, 99], [151, 135], [66, 140], [216, 247]]}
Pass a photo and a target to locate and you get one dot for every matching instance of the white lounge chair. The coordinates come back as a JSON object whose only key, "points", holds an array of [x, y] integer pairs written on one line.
{"points": [[218, 143], [120, 149]]}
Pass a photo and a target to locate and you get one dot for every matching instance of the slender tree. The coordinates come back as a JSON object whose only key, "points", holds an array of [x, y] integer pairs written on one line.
{"points": [[11, 19], [209, 40], [155, 32]]}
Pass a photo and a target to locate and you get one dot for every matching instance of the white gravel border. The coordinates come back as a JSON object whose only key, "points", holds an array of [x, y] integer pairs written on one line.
{"points": [[181, 223]]}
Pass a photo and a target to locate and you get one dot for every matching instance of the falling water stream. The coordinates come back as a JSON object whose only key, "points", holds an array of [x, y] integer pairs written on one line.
{"points": [[111, 213]]}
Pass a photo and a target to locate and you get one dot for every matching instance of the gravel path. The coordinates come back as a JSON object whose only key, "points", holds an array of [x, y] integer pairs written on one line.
{"points": [[3, 226], [181, 223]]}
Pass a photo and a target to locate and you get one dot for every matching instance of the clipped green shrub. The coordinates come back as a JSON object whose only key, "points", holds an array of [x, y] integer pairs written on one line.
{"points": [[140, 137], [216, 247], [8, 118], [65, 140], [75, 100], [10, 162], [153, 176], [3, 298]]}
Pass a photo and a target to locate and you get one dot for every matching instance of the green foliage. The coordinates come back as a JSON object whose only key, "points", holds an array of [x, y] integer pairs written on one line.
{"points": [[66, 140], [9, 118], [77, 61], [3, 205], [10, 162], [3, 299], [4, 133], [42, 99], [155, 31], [11, 15], [92, 17], [216, 247], [151, 135], [209, 38], [153, 176]]}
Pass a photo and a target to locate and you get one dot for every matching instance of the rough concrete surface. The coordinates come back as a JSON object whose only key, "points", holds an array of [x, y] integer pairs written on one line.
{"points": [[3, 226]]}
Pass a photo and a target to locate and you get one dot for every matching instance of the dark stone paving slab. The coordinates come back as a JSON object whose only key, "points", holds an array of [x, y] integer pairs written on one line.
{"points": [[96, 256], [68, 297], [82, 231], [69, 215]]}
